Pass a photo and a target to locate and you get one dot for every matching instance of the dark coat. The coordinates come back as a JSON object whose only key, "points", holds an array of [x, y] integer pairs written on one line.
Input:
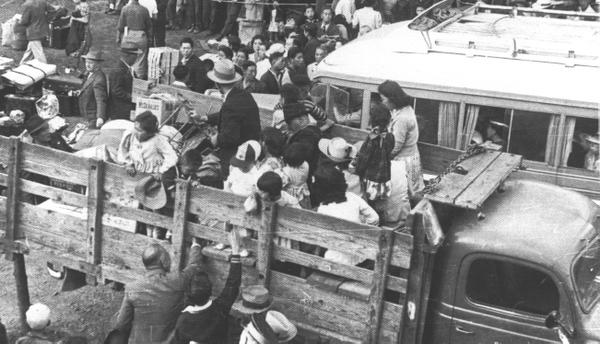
{"points": [[255, 86], [151, 306], [214, 319], [309, 137], [309, 50], [197, 79], [35, 19], [332, 30], [120, 83], [93, 97], [238, 121], [3, 336], [271, 83]]}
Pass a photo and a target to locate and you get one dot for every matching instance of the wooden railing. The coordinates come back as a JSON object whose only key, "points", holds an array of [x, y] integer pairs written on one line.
{"points": [[354, 304]]}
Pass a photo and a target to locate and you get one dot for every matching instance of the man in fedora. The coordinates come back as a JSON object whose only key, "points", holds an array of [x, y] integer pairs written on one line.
{"points": [[151, 305], [39, 131], [93, 94], [238, 121], [120, 80]]}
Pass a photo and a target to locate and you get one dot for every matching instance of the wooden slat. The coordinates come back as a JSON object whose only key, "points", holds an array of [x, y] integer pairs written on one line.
{"points": [[345, 236], [484, 186], [118, 185], [209, 203], [265, 240], [139, 215], [182, 197], [124, 249], [436, 158], [12, 195], [386, 242], [54, 164], [94, 214], [56, 194]]}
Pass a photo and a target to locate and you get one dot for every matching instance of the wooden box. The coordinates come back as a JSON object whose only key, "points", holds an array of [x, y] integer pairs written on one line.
{"points": [[161, 62], [162, 109]]}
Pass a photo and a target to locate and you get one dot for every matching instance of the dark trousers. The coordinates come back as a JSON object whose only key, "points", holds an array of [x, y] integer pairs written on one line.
{"points": [[216, 14], [206, 12], [159, 32], [233, 10]]}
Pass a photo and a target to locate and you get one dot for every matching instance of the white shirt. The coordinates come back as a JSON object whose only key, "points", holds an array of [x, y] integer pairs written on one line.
{"points": [[347, 8], [150, 6], [262, 67], [367, 16], [311, 70], [354, 209]]}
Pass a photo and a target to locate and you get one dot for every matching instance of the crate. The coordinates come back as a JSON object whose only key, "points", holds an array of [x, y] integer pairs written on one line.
{"points": [[162, 59], [162, 109]]}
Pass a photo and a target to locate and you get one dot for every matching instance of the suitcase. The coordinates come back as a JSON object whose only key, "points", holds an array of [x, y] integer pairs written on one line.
{"points": [[58, 37], [68, 106], [62, 84], [24, 103]]}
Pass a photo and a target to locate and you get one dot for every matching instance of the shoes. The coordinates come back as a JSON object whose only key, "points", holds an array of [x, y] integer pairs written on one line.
{"points": [[191, 29]]}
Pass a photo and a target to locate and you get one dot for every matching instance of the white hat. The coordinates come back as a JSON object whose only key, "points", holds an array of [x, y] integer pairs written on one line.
{"points": [[246, 155], [38, 316], [283, 328], [337, 149], [224, 73], [275, 48]]}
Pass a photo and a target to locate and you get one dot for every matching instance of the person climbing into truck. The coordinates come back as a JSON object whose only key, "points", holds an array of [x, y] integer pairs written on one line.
{"points": [[201, 309]]}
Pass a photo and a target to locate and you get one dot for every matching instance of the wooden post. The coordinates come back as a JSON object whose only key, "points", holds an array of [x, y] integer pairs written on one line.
{"points": [[95, 208], [265, 241], [13, 232], [182, 197], [382, 262]]}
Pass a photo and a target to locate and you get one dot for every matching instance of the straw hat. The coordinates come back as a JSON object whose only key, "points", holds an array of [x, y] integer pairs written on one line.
{"points": [[283, 328], [593, 139], [255, 299], [151, 193], [337, 149], [224, 72]]}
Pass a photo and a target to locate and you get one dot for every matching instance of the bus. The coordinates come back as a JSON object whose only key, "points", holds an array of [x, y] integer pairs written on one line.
{"points": [[518, 78]]}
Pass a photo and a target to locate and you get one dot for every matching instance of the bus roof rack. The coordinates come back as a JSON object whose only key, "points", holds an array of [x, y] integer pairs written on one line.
{"points": [[527, 34]]}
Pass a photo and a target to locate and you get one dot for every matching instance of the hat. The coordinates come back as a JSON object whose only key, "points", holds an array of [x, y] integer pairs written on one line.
{"points": [[38, 316], [337, 149], [293, 110], [224, 72], [129, 48], [283, 328], [255, 299], [275, 48], [593, 139], [94, 55], [34, 124], [247, 153], [151, 193]]}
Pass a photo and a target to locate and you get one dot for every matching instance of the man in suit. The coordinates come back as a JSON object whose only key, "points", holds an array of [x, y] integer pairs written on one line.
{"points": [[250, 84], [327, 30], [120, 81], [238, 121], [151, 306], [197, 80], [34, 18], [272, 77], [93, 93]]}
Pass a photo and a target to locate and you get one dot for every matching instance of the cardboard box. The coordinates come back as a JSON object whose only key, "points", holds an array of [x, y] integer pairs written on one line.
{"points": [[161, 62], [162, 109]]}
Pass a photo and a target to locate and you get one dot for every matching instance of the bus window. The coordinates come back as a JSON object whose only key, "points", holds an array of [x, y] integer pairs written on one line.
{"points": [[346, 105], [492, 126], [427, 116], [529, 134], [580, 147]]}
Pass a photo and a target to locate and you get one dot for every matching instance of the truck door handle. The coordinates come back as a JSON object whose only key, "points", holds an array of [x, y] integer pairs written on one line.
{"points": [[462, 330]]}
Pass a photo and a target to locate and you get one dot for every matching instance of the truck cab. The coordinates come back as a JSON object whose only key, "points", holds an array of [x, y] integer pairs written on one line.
{"points": [[533, 250]]}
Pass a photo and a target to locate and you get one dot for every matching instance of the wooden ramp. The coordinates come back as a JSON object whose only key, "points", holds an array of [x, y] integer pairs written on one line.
{"points": [[367, 307]]}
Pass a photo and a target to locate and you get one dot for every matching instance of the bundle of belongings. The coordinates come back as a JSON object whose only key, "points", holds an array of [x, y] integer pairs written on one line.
{"points": [[8, 34], [29, 73]]}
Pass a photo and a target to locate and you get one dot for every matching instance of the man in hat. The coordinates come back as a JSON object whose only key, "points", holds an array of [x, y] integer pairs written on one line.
{"points": [[93, 94], [212, 314], [136, 19], [120, 80], [151, 305], [238, 121]]}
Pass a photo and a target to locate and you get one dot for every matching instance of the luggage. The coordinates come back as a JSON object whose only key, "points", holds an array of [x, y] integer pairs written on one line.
{"points": [[29, 73], [58, 37], [62, 84], [24, 103]]}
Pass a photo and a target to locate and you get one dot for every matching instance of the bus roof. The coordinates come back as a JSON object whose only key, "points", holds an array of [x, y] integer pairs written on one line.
{"points": [[480, 54]]}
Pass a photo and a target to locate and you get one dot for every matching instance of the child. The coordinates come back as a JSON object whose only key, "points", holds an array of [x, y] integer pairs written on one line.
{"points": [[272, 142], [373, 162], [38, 319], [276, 22], [270, 188], [308, 17], [295, 169], [243, 172], [201, 170], [79, 38], [180, 73]]}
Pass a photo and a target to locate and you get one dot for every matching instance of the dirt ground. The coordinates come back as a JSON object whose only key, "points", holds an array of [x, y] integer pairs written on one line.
{"points": [[86, 311]]}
